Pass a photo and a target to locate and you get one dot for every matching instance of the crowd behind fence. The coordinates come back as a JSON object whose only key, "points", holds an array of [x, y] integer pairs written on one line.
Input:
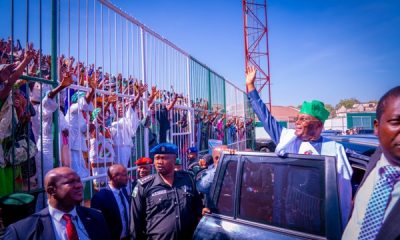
{"points": [[104, 90]]}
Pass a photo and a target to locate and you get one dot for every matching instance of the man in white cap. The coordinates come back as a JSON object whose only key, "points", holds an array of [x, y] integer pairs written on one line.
{"points": [[77, 118], [45, 138], [124, 128]]}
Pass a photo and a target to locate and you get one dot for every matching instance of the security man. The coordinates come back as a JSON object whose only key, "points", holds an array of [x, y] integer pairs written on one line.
{"points": [[143, 166], [165, 205], [191, 155]]}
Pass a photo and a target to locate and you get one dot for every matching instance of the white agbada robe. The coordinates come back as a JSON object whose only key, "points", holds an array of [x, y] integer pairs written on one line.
{"points": [[45, 140], [35, 96], [77, 135], [122, 131]]}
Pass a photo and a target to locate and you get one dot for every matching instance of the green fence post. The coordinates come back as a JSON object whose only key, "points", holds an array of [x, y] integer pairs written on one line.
{"points": [[54, 78]]}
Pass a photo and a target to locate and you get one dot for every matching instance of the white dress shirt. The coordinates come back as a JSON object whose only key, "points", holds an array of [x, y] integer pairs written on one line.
{"points": [[59, 224]]}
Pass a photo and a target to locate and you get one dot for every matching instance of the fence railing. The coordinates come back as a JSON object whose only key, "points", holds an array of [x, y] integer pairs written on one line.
{"points": [[96, 120]]}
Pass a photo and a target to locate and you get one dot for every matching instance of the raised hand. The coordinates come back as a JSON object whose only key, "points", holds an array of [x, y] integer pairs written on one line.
{"points": [[250, 78], [154, 90], [61, 59], [67, 79], [92, 82], [142, 88], [112, 98], [30, 52], [49, 60], [71, 62]]}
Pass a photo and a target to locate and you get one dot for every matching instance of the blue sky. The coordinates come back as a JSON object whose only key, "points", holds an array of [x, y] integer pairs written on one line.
{"points": [[325, 49], [319, 49]]}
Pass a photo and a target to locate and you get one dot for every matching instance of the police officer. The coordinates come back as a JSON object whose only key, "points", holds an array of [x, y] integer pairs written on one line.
{"points": [[165, 205], [191, 155], [143, 166]]}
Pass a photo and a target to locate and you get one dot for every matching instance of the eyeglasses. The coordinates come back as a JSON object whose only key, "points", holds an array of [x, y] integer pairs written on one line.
{"points": [[305, 119]]}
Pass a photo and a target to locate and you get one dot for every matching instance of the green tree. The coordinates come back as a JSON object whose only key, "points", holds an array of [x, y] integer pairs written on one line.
{"points": [[331, 110], [347, 103]]}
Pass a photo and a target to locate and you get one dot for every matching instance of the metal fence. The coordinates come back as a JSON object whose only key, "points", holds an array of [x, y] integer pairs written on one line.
{"points": [[96, 121]]}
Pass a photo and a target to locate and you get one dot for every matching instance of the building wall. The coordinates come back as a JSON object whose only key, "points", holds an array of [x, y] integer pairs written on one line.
{"points": [[338, 123], [260, 131], [363, 120]]}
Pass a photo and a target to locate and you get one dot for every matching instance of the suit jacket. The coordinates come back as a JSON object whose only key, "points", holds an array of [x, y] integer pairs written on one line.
{"points": [[104, 201], [390, 228], [40, 226]]}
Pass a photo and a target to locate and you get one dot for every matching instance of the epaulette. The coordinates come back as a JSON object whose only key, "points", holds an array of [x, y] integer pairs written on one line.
{"points": [[146, 179]]}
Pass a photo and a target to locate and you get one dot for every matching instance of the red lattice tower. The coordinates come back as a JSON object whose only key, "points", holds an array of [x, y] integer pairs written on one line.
{"points": [[256, 43]]}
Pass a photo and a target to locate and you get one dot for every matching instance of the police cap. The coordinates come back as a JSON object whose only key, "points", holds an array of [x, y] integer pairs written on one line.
{"points": [[143, 161], [192, 150], [164, 148]]}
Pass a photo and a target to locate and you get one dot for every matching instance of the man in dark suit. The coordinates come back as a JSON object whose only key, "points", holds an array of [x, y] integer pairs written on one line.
{"points": [[63, 218], [114, 202], [376, 212]]}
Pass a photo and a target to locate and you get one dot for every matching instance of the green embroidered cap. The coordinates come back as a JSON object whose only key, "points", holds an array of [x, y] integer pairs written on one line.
{"points": [[316, 109]]}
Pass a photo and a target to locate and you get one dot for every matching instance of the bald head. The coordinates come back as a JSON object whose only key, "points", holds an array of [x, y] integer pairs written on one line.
{"points": [[53, 176], [216, 153], [64, 188], [113, 169]]}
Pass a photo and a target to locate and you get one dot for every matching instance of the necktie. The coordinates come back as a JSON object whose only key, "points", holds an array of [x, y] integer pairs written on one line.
{"points": [[71, 230], [376, 207], [125, 212]]}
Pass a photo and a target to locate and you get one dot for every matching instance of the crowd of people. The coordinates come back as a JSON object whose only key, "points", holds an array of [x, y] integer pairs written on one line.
{"points": [[102, 119], [165, 202]]}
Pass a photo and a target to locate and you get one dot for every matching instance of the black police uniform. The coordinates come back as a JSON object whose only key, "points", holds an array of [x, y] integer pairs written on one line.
{"points": [[160, 211]]}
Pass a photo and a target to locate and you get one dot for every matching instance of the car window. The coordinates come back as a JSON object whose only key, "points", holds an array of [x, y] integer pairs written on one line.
{"points": [[287, 194], [227, 191]]}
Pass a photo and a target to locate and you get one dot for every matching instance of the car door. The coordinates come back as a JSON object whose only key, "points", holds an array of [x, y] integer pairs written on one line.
{"points": [[263, 196]]}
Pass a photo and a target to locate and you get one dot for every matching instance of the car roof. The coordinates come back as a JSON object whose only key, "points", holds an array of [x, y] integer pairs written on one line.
{"points": [[364, 139]]}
